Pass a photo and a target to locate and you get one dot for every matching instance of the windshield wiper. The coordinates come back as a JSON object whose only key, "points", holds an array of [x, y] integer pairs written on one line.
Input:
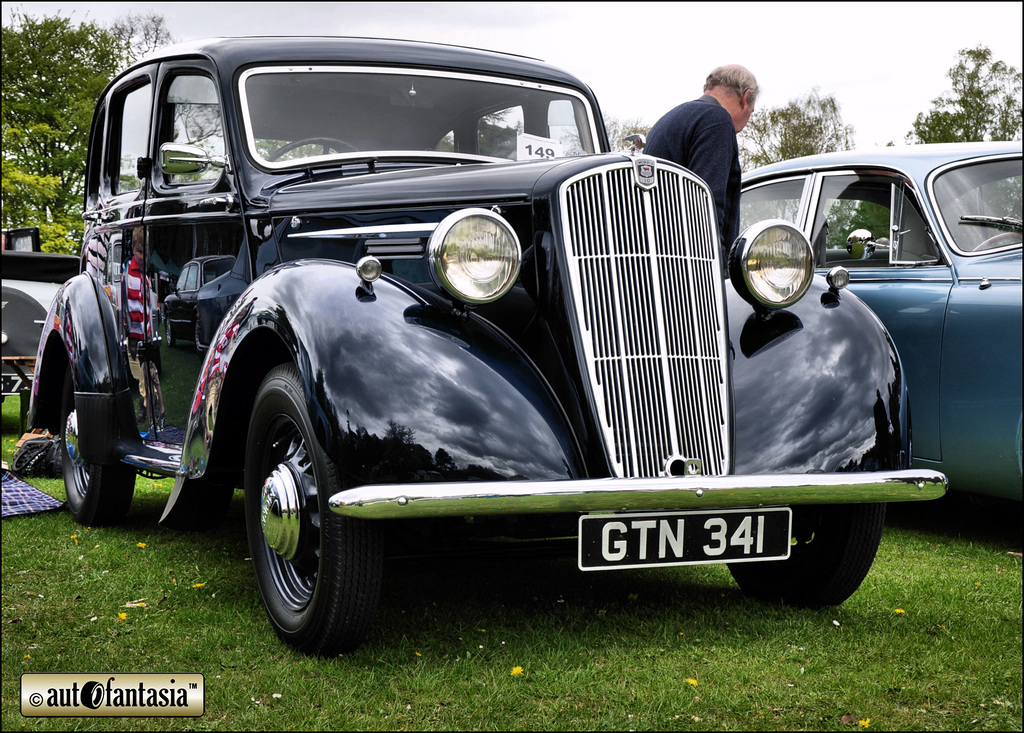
{"points": [[1004, 222]]}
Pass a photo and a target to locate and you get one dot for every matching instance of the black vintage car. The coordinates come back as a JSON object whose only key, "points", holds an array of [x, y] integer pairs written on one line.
{"points": [[454, 315]]}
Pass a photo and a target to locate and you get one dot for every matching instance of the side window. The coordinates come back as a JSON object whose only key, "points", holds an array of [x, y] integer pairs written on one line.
{"points": [[131, 128], [190, 115], [912, 242], [848, 203], [183, 278], [778, 200]]}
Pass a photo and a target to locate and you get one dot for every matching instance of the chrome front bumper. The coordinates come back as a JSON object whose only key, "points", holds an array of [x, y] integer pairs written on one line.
{"points": [[475, 498]]}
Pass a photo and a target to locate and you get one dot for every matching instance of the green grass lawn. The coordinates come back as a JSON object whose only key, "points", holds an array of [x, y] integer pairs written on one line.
{"points": [[931, 641]]}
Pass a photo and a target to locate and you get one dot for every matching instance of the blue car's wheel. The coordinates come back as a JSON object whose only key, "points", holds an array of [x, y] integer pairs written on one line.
{"points": [[319, 574], [833, 549], [96, 494]]}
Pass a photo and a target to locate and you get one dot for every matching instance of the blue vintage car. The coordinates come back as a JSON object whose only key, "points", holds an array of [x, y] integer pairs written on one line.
{"points": [[931, 238]]}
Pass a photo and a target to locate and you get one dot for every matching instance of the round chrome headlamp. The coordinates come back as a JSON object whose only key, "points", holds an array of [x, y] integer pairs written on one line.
{"points": [[775, 261], [475, 255]]}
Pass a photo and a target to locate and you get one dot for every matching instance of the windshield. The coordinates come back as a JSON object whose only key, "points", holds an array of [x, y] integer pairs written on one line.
{"points": [[980, 205], [304, 116]]}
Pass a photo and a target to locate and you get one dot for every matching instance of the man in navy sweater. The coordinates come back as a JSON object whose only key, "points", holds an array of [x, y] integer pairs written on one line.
{"points": [[701, 136]]}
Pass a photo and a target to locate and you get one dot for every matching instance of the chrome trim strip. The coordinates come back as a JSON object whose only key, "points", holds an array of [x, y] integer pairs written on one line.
{"points": [[420, 501], [422, 230], [878, 278], [164, 458]]}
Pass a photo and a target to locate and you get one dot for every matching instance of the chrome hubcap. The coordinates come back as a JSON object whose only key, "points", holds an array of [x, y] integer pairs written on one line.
{"points": [[280, 512], [71, 439]]}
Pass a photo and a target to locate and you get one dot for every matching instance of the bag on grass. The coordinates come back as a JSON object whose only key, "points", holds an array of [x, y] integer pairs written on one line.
{"points": [[38, 457]]}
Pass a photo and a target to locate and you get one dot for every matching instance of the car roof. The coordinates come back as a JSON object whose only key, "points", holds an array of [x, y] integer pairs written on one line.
{"points": [[916, 160], [231, 53]]}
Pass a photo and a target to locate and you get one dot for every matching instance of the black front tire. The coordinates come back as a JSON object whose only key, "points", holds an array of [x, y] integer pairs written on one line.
{"points": [[168, 334], [834, 548], [97, 494], [322, 586]]}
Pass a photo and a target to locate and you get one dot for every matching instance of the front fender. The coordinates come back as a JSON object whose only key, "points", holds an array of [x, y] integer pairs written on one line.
{"points": [[396, 388], [818, 387]]}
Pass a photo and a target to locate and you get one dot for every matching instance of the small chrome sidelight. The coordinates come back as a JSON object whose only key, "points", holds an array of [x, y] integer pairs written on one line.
{"points": [[369, 269], [838, 278]]}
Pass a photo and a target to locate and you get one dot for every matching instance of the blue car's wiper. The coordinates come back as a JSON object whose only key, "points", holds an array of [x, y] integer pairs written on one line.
{"points": [[1006, 222]]}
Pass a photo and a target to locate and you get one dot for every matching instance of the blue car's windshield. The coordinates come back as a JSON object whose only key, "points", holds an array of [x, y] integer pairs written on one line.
{"points": [[980, 205]]}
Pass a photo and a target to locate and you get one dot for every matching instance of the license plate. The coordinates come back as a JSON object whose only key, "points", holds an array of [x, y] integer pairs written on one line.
{"points": [[618, 541]]}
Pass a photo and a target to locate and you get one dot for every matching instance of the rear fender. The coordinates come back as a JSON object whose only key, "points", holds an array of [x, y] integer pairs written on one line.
{"points": [[397, 389], [80, 335]]}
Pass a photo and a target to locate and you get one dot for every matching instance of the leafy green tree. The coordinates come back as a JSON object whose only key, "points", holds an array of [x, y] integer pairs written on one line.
{"points": [[984, 103], [804, 126], [140, 35], [53, 72]]}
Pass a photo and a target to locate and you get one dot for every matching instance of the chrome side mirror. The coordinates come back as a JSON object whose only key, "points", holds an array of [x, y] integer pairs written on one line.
{"points": [[177, 159], [860, 244]]}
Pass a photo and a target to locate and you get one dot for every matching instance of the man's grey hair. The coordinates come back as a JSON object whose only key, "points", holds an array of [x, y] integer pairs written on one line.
{"points": [[734, 78]]}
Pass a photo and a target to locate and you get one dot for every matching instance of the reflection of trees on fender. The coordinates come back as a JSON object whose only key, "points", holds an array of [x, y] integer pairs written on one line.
{"points": [[397, 458], [885, 452]]}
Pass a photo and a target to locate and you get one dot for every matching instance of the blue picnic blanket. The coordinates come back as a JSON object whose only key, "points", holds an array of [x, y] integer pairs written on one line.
{"points": [[21, 498]]}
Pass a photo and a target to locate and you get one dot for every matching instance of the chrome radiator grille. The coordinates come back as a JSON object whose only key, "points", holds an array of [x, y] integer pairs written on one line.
{"points": [[648, 292]]}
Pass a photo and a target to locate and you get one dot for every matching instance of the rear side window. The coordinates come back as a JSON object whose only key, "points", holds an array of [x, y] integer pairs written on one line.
{"points": [[131, 114]]}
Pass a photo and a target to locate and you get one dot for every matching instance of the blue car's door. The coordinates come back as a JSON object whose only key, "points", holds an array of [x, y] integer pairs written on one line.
{"points": [[981, 378]]}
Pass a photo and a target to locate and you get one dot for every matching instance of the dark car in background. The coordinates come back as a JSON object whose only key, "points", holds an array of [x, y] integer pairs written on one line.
{"points": [[180, 306], [931, 238], [453, 316]]}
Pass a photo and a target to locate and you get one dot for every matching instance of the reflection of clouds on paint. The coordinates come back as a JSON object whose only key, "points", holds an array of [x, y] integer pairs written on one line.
{"points": [[380, 366], [816, 410]]}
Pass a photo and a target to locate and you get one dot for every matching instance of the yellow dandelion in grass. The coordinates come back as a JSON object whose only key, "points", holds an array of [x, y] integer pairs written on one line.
{"points": [[633, 596], [140, 544], [899, 610], [864, 723], [198, 585], [75, 538], [516, 671], [691, 681], [123, 616], [418, 654]]}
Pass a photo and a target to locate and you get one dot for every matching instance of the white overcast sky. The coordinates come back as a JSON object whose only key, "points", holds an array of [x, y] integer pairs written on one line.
{"points": [[883, 61]]}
